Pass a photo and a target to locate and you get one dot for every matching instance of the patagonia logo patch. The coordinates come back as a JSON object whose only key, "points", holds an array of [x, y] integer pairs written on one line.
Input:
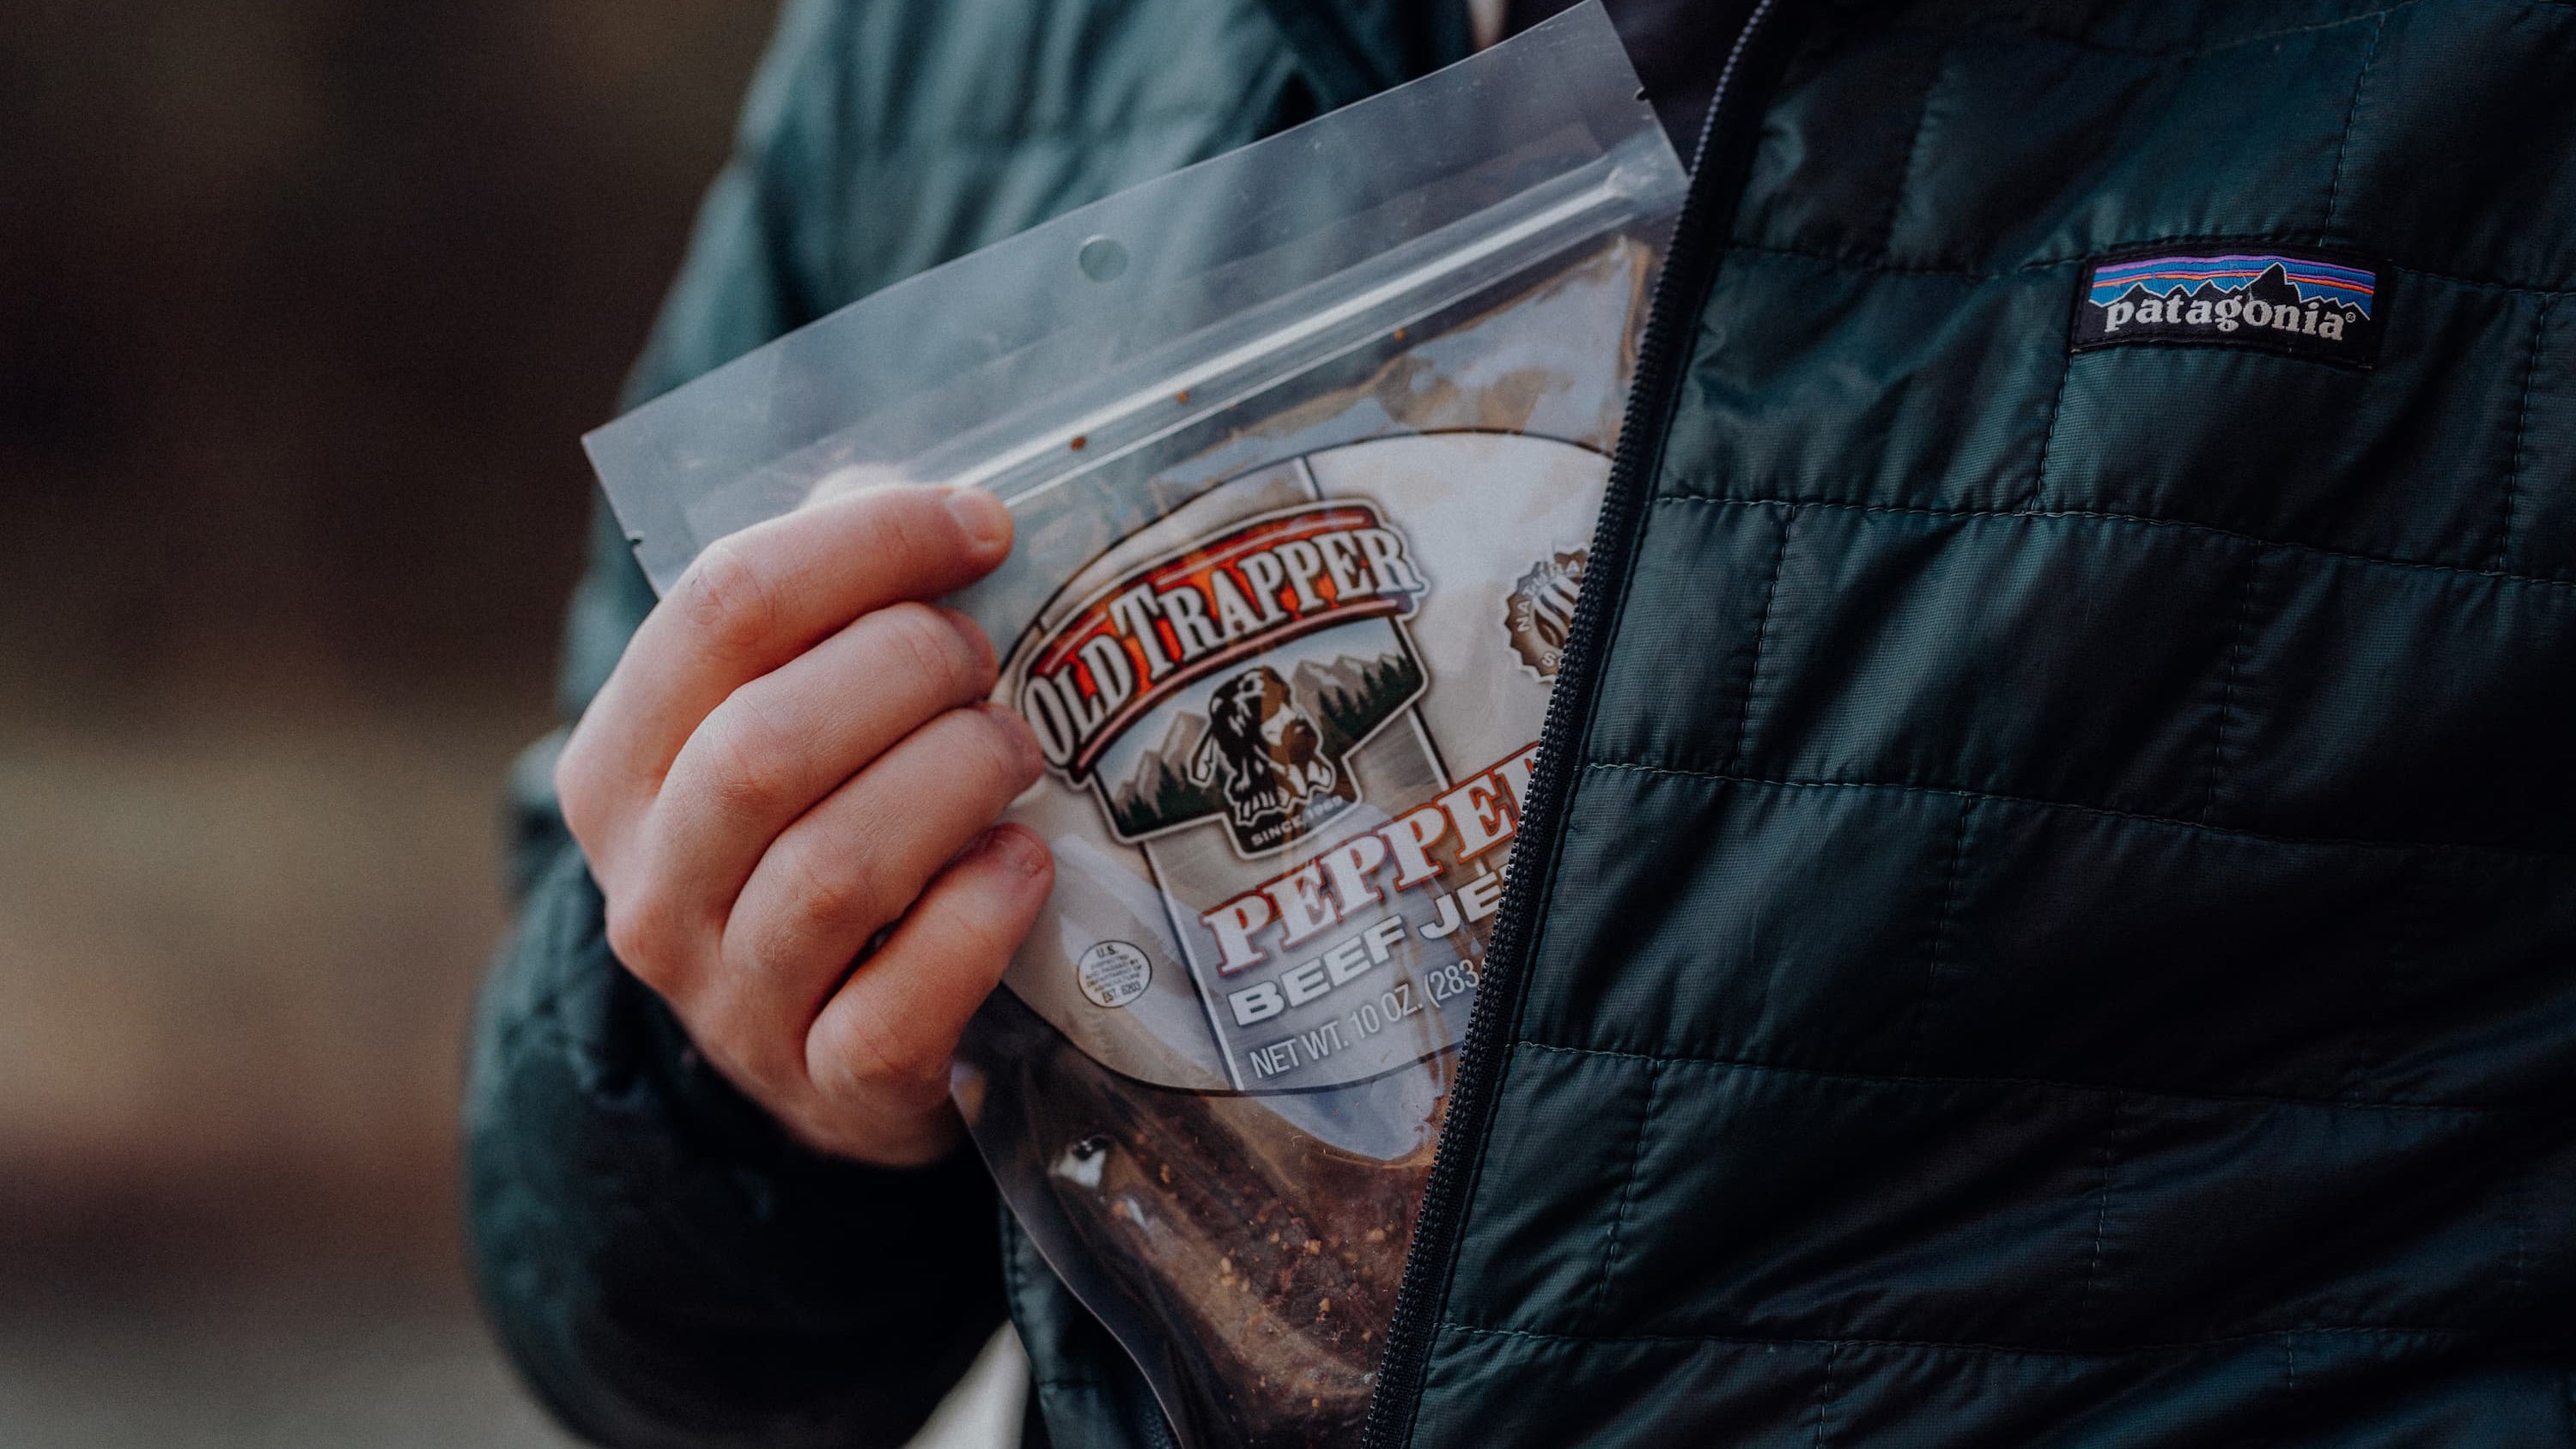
{"points": [[2299, 305]]}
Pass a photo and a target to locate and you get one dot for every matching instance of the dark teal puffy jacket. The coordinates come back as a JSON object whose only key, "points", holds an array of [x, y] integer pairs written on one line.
{"points": [[2049, 915]]}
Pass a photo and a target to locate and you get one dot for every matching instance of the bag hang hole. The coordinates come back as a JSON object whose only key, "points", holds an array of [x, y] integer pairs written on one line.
{"points": [[1102, 258]]}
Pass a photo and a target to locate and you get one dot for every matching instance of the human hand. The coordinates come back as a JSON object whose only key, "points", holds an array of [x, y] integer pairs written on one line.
{"points": [[792, 757]]}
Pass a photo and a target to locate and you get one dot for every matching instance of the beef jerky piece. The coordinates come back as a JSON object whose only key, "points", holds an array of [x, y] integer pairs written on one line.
{"points": [[1279, 1253]]}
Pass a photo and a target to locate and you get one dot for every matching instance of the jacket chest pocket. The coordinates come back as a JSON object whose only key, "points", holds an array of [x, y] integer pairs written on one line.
{"points": [[2414, 459]]}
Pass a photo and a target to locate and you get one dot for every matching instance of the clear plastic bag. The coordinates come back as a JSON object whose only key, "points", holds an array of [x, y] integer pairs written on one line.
{"points": [[1304, 445]]}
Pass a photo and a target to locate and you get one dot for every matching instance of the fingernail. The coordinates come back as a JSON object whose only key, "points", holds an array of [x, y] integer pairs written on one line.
{"points": [[1017, 848], [1023, 738], [982, 518]]}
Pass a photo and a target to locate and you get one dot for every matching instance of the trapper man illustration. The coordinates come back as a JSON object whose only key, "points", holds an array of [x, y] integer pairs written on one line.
{"points": [[1269, 750]]}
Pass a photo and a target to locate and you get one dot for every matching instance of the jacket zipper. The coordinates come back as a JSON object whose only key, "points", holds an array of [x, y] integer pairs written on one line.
{"points": [[1661, 352]]}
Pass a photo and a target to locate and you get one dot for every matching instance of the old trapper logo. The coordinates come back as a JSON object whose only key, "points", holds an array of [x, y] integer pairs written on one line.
{"points": [[1232, 678], [2301, 305], [1269, 754]]}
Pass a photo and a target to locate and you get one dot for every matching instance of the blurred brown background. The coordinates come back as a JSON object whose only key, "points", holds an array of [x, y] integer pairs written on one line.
{"points": [[303, 305]]}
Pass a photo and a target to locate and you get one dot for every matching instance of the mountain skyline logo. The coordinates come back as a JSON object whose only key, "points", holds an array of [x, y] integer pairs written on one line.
{"points": [[2302, 306], [1198, 768], [2280, 279]]}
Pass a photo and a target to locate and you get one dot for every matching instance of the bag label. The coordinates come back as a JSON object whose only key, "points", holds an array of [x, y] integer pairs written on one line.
{"points": [[1288, 727], [2296, 304]]}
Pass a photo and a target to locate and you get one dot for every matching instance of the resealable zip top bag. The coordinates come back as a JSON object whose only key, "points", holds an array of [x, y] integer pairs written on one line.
{"points": [[1304, 446]]}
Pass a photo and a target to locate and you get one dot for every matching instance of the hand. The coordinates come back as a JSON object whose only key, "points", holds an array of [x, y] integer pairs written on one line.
{"points": [[791, 758]]}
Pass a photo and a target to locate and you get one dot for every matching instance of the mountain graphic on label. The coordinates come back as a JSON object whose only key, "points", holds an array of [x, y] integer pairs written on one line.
{"points": [[1232, 677]]}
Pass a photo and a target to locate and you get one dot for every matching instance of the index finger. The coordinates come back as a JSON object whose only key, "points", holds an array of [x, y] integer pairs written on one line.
{"points": [[756, 599]]}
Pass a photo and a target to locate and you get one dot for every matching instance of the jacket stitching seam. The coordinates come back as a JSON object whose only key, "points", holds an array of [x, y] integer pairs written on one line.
{"points": [[2048, 439], [2101, 1215], [2236, 651], [2248, 1099], [1913, 149], [2392, 1330], [1627, 1194], [2352, 113], [2143, 520], [1936, 952], [2105, 811], [1825, 1392], [1866, 263], [2521, 425], [1761, 642]]}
